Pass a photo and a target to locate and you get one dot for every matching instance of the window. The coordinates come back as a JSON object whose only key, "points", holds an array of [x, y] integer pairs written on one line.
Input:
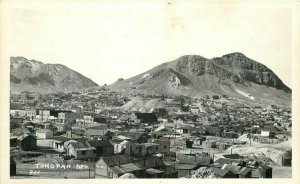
{"points": [[83, 152], [165, 146], [156, 147]]}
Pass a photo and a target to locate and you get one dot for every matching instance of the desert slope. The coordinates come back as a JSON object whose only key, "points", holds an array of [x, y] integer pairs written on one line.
{"points": [[35, 76], [233, 74]]}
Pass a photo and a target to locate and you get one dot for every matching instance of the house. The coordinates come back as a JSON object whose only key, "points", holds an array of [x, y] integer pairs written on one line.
{"points": [[81, 150], [142, 149], [162, 131], [67, 142], [163, 145], [27, 142], [262, 171], [58, 143], [209, 143], [105, 166], [138, 137], [43, 115], [149, 118], [269, 132], [13, 141], [189, 162], [44, 134], [239, 171], [103, 147], [68, 117], [184, 169], [98, 133], [222, 161], [287, 159], [223, 145], [120, 145], [221, 173], [75, 133]]}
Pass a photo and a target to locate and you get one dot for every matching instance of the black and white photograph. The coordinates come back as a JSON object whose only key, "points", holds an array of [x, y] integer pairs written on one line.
{"points": [[148, 89]]}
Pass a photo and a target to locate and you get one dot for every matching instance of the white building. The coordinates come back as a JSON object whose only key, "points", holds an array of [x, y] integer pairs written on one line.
{"points": [[44, 134]]}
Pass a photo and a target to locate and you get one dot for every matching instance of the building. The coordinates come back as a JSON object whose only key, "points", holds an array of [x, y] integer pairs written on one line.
{"points": [[269, 132], [44, 134], [105, 166], [287, 159], [68, 117], [98, 133], [142, 149], [149, 118], [27, 142], [120, 145], [43, 115], [26, 113], [58, 143], [81, 150], [163, 145], [103, 147], [137, 137]]}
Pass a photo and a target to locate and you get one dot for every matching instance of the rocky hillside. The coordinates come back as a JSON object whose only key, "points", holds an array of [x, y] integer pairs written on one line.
{"points": [[233, 74], [31, 75]]}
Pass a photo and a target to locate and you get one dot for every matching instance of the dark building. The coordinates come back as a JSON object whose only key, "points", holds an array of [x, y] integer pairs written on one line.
{"points": [[287, 159], [103, 147], [27, 142], [146, 117], [13, 167]]}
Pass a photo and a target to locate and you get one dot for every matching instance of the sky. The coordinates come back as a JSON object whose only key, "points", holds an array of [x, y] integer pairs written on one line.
{"points": [[105, 40]]}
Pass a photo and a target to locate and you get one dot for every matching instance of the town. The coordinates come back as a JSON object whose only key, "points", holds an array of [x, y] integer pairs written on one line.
{"points": [[99, 133]]}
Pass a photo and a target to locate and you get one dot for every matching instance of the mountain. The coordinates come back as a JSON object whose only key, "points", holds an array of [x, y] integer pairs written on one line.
{"points": [[31, 75], [233, 74]]}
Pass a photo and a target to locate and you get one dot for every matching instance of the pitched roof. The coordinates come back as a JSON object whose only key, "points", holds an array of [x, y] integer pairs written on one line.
{"points": [[81, 145], [129, 167], [61, 138], [234, 169], [220, 172], [102, 143], [153, 171], [132, 135], [232, 156], [270, 129], [245, 170], [226, 161], [22, 137], [116, 159]]}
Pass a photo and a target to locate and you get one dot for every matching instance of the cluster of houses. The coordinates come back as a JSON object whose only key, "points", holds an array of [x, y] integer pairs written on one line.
{"points": [[93, 127]]}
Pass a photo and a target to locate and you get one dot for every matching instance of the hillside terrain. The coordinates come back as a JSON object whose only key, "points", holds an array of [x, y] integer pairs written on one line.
{"points": [[233, 74], [35, 76]]}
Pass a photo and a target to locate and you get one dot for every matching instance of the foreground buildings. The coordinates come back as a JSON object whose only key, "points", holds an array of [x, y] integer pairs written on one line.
{"points": [[185, 138]]}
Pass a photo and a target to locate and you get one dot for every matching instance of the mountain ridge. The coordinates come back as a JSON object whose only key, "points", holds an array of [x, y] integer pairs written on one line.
{"points": [[35, 76], [193, 75]]}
